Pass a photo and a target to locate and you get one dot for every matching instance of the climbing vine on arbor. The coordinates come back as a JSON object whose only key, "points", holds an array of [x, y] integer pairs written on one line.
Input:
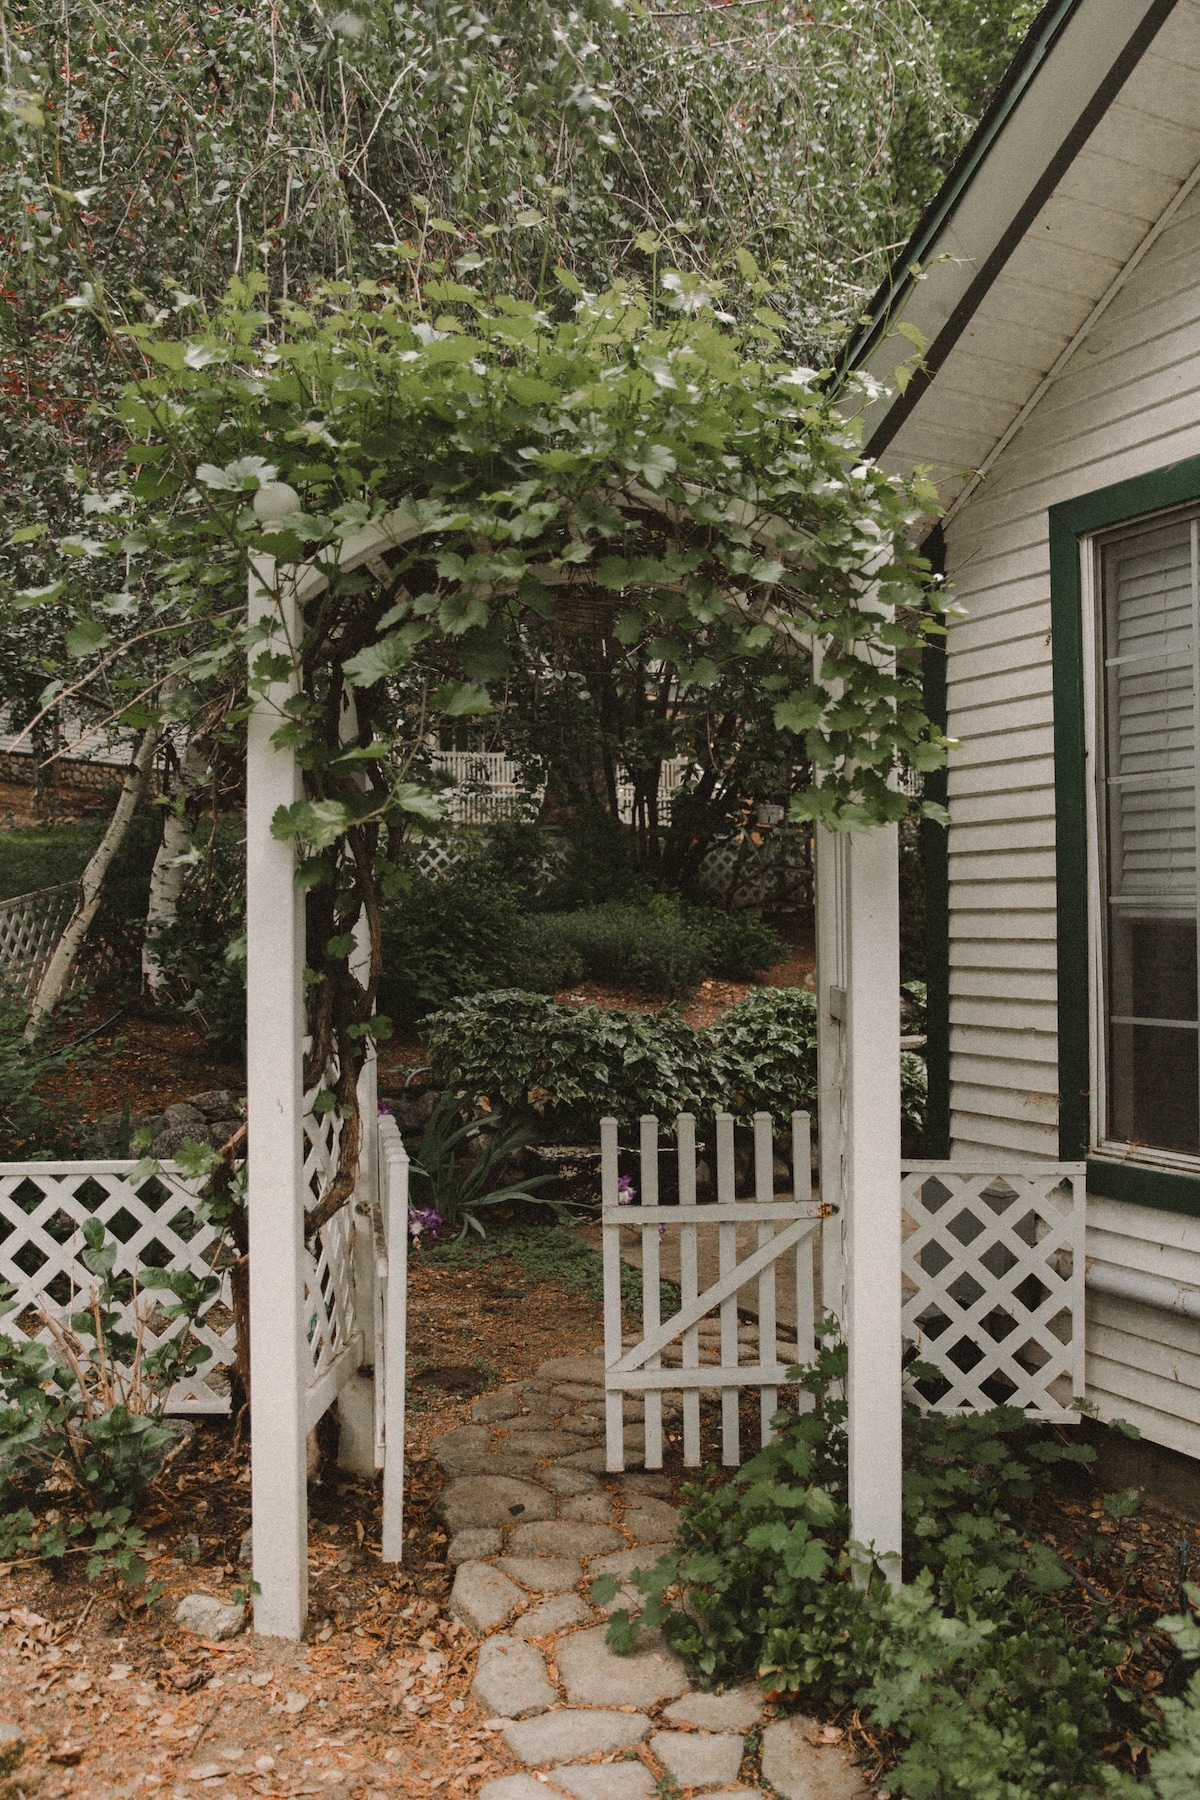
{"points": [[634, 462]]}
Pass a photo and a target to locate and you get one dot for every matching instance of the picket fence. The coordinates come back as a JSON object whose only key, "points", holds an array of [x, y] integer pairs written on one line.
{"points": [[993, 1284]]}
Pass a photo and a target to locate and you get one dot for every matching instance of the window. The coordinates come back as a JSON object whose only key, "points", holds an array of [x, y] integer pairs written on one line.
{"points": [[1146, 741]]}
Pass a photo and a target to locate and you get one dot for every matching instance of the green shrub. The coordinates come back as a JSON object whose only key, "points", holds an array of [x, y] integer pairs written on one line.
{"points": [[970, 1666], [30, 1125], [740, 944], [465, 933], [768, 1046], [572, 1066], [629, 946], [1175, 1769], [596, 863]]}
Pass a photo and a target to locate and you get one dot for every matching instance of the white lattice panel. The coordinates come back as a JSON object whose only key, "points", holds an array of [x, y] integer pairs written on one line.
{"points": [[329, 1279], [30, 926], [43, 1208], [993, 1280]]}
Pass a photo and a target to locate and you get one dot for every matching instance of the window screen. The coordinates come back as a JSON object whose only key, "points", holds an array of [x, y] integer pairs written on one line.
{"points": [[1150, 697]]}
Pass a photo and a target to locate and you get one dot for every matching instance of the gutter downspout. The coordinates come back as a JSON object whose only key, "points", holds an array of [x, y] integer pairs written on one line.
{"points": [[1157, 1291]]}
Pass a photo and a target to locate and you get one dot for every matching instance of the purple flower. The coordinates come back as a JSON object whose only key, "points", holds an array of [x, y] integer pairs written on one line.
{"points": [[424, 1218], [626, 1192], [662, 1232], [384, 1109]]}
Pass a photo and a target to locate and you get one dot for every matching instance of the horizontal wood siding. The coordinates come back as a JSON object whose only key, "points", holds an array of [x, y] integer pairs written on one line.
{"points": [[1128, 402]]}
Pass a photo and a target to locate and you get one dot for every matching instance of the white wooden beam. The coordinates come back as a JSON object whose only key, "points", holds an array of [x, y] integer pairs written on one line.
{"points": [[279, 1360], [871, 1075]]}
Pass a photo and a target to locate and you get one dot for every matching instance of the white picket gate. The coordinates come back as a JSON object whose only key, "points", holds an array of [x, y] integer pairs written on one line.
{"points": [[783, 1224]]}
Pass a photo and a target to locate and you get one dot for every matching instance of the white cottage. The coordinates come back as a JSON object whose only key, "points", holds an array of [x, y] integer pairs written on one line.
{"points": [[1056, 280]]}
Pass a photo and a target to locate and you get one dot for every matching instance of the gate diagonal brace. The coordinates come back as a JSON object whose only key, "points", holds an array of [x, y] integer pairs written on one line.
{"points": [[728, 1285]]}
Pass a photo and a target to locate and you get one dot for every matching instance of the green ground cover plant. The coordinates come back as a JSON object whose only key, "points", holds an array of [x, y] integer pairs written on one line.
{"points": [[971, 1666], [568, 1067], [87, 1416], [544, 1253]]}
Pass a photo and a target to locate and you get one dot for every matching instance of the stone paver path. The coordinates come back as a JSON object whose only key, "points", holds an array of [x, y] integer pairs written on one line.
{"points": [[534, 1519]]}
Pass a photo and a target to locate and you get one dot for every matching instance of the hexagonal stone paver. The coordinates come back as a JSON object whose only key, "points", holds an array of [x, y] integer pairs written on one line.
{"points": [[482, 1597], [476, 1542], [584, 1392], [558, 1613], [594, 1675], [563, 1538], [644, 1481], [571, 1732], [737, 1710], [605, 1781], [544, 1574], [493, 1500], [592, 1462], [799, 1771], [699, 1759], [510, 1679]]}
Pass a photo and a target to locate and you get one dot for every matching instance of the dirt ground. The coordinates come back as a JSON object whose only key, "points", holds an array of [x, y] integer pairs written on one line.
{"points": [[119, 1701]]}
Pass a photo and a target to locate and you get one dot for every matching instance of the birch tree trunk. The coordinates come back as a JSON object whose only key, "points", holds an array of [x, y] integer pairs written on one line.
{"points": [[91, 885], [169, 874]]}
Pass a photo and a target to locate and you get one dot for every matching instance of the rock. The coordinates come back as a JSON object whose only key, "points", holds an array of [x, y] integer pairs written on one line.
{"points": [[639, 1482], [510, 1679], [699, 1759], [209, 1616], [545, 1406], [562, 1539], [570, 1732], [476, 1542], [738, 1710], [493, 1500], [582, 1392], [544, 1574], [652, 1522], [588, 1509], [592, 1462], [512, 1462], [605, 1781], [513, 1787], [799, 1771], [569, 1481], [538, 1443], [594, 1675], [558, 1613], [585, 1369], [622, 1565], [12, 1746], [246, 1549], [483, 1598], [489, 1408], [459, 1452], [218, 1104], [182, 1114], [584, 1425]]}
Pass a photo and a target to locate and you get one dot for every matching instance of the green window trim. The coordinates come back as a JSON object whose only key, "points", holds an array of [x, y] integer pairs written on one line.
{"points": [[1070, 522]]}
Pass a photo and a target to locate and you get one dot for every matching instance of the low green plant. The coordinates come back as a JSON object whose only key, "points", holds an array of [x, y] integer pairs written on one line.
{"points": [[657, 952], [1175, 1768], [85, 1423], [547, 1253], [457, 1172], [970, 1666], [740, 944], [32, 1127]]}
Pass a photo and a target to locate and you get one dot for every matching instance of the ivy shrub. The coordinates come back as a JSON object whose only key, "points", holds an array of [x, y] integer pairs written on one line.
{"points": [[970, 1665], [631, 946], [572, 1066]]}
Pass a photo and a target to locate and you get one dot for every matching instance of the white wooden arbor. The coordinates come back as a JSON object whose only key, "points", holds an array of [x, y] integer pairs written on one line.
{"points": [[859, 1116]]}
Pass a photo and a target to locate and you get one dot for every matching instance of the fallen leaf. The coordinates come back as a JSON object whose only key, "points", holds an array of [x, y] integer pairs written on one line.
{"points": [[67, 1755], [205, 1771], [295, 1703], [189, 1679]]}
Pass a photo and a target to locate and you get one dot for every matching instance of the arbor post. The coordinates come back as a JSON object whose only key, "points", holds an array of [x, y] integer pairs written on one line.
{"points": [[274, 1051], [859, 989]]}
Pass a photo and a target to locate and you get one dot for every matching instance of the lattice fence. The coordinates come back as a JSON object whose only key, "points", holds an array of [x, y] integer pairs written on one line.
{"points": [[329, 1279], [43, 1209], [994, 1279], [30, 927]]}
